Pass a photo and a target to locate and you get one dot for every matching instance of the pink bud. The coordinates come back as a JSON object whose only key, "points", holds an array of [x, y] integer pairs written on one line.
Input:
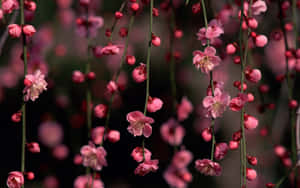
{"points": [[33, 147], [261, 40], [30, 175], [206, 135], [233, 145], [137, 154], [139, 74], [250, 97], [270, 185], [252, 160], [287, 162], [77, 159], [134, 7], [118, 15], [77, 77], [250, 174], [130, 59], [123, 32], [14, 30], [29, 30], [264, 88], [230, 49], [84, 2], [178, 33], [252, 23], [155, 41], [111, 87], [250, 122], [30, 5], [293, 104], [220, 150], [154, 104], [100, 110], [91, 76], [155, 12], [113, 136], [280, 151], [253, 75], [16, 117]]}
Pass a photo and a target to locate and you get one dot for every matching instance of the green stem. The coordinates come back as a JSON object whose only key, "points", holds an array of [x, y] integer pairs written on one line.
{"points": [[116, 21], [117, 76], [284, 177], [24, 104], [295, 22]]}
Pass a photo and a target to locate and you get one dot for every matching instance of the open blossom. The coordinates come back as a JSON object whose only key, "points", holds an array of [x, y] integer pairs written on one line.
{"points": [[220, 150], [184, 109], [93, 157], [36, 87], [216, 105], [177, 178], [172, 132], [9, 5], [182, 158], [146, 167], [138, 156], [139, 74], [259, 7], [208, 167], [139, 124], [14, 30], [237, 103], [86, 181], [207, 60], [214, 29], [15, 179], [110, 49]]}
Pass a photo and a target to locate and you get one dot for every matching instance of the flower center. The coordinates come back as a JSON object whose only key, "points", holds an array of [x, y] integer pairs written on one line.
{"points": [[205, 62]]}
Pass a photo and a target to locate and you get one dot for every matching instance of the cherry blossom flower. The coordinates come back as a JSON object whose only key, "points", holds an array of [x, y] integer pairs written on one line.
{"points": [[37, 86], [237, 103], [177, 178], [259, 7], [139, 74], [100, 110], [154, 104], [60, 152], [139, 124], [182, 158], [146, 167], [50, 133], [207, 60], [9, 5], [97, 134], [110, 49], [172, 132], [86, 181], [184, 109], [220, 150], [208, 167], [214, 29], [253, 75], [15, 179], [216, 105], [14, 30], [138, 156], [93, 157], [113, 136], [33, 147]]}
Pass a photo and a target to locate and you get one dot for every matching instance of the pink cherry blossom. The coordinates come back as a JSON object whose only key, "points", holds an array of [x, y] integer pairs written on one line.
{"points": [[113, 136], [208, 167], [182, 158], [172, 132], [86, 181], [259, 7], [97, 134], [15, 179], [220, 150], [251, 174], [100, 110], [138, 156], [184, 109], [253, 75], [250, 122], [139, 124], [207, 60], [60, 152], [9, 5], [33, 147], [93, 157], [50, 133], [14, 30], [237, 103], [28, 30], [216, 105], [146, 167], [112, 87], [77, 77], [38, 85], [214, 29], [110, 49], [154, 104], [139, 74], [177, 178]]}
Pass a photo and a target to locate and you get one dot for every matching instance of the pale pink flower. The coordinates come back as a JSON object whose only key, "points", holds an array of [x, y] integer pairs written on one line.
{"points": [[9, 5], [214, 29], [97, 134], [259, 7], [237, 103], [216, 105], [139, 124], [154, 104], [38, 85], [201, 36], [15, 179], [207, 60], [112, 87], [253, 75], [138, 156], [261, 40], [220, 150], [93, 157], [86, 181], [184, 109], [146, 167], [14, 30], [208, 167], [50, 133], [172, 132], [182, 158], [60, 152], [177, 178], [250, 122], [110, 49]]}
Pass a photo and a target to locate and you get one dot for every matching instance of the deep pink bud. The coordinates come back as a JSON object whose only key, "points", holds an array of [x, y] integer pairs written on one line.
{"points": [[77, 77], [16, 117], [253, 75], [250, 97], [113, 136], [112, 87], [155, 12], [250, 174], [233, 145], [261, 40], [30, 175], [155, 40], [29, 30], [250, 122], [139, 74], [252, 160], [33, 147], [252, 23], [206, 135], [293, 104], [91, 76], [100, 110], [178, 33], [230, 49], [134, 7], [270, 185], [130, 60], [154, 104], [118, 15], [14, 30]]}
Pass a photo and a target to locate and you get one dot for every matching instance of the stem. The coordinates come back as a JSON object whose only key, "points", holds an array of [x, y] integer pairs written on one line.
{"points": [[284, 177], [295, 23], [116, 21], [205, 17], [117, 76], [148, 67]]}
